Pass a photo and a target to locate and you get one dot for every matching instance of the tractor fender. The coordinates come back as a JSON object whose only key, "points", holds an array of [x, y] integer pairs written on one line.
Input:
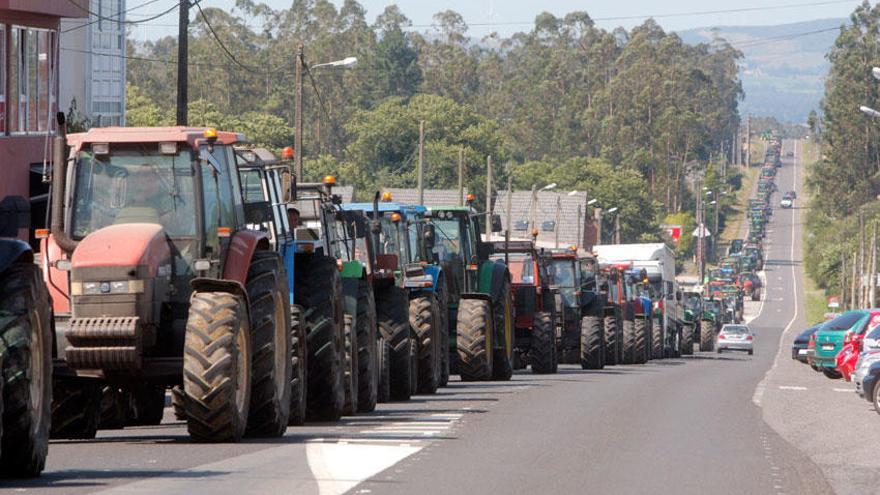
{"points": [[492, 277], [204, 284], [241, 250], [13, 250]]}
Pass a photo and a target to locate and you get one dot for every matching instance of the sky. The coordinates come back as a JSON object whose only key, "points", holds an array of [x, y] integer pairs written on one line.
{"points": [[510, 16]]}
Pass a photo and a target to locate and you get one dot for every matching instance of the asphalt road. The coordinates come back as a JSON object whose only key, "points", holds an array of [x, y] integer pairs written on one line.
{"points": [[703, 424]]}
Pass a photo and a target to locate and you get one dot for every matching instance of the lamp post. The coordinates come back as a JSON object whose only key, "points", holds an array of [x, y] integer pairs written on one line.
{"points": [[615, 237], [534, 205], [300, 65]]}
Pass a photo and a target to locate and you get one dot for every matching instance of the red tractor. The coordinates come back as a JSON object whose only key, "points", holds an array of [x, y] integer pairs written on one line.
{"points": [[534, 323], [157, 281]]}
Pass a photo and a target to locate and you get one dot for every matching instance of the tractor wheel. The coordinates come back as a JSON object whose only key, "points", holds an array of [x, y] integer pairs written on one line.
{"points": [[687, 339], [657, 340], [443, 304], [383, 393], [114, 408], [148, 405], [424, 318], [474, 340], [351, 367], [503, 318], [629, 341], [269, 410], [76, 409], [26, 348], [217, 367], [298, 390], [368, 375], [318, 289], [707, 337], [611, 341], [392, 307], [543, 348], [640, 325], [177, 400], [592, 342]]}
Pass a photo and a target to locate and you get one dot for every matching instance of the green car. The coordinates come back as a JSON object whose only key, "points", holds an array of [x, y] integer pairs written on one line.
{"points": [[830, 337]]}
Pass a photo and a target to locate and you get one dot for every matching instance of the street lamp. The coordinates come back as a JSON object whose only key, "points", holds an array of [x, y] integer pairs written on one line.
{"points": [[615, 237], [298, 96], [549, 186], [592, 202], [572, 193], [870, 112], [534, 204], [876, 72]]}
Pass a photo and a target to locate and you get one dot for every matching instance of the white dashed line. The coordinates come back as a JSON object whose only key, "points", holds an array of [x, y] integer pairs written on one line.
{"points": [[791, 387]]}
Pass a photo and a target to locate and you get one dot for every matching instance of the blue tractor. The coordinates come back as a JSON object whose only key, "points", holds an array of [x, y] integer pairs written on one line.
{"points": [[25, 348], [411, 304]]}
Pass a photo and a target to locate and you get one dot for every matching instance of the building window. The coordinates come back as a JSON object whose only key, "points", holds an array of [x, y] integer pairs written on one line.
{"points": [[32, 81]]}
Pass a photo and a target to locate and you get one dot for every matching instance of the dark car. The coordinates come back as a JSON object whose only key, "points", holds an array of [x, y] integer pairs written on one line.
{"points": [[799, 347], [869, 386]]}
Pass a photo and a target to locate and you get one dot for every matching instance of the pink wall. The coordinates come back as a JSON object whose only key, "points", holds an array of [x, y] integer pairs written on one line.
{"points": [[17, 153]]}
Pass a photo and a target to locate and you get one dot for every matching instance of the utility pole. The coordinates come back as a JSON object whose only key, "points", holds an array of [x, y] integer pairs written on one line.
{"points": [[843, 305], [872, 282], [421, 162], [748, 162], [699, 195], [489, 197], [509, 201], [598, 214], [533, 205], [461, 177], [297, 113], [617, 227], [183, 63], [861, 262], [556, 222], [855, 275], [577, 242]]}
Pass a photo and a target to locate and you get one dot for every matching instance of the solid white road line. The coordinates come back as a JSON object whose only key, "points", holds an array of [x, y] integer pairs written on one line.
{"points": [[791, 387]]}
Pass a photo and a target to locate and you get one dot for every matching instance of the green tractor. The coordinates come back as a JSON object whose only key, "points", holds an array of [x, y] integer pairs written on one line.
{"points": [[693, 310], [480, 300], [710, 323]]}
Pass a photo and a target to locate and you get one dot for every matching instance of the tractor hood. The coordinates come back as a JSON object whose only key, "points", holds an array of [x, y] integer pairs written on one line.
{"points": [[124, 251]]}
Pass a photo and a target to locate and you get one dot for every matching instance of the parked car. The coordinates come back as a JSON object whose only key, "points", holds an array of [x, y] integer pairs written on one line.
{"points": [[870, 390], [801, 342], [735, 338], [786, 202], [831, 335], [866, 359]]}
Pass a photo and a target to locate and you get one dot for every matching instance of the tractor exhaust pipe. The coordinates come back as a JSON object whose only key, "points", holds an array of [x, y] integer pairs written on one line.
{"points": [[59, 174]]}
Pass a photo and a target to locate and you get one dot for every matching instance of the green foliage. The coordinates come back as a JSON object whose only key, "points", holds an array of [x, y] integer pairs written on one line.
{"points": [[688, 223]]}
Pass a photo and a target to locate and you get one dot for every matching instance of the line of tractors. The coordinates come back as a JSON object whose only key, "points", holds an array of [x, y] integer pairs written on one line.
{"points": [[184, 259]]}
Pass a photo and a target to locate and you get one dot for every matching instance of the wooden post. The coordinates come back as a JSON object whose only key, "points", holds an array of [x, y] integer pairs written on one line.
{"points": [[488, 197], [421, 162], [556, 224], [461, 176], [509, 201]]}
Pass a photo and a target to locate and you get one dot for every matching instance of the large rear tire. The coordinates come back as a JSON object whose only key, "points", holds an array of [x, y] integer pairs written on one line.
{"points": [[392, 312], [611, 341], [298, 389], [26, 349], [443, 303], [629, 341], [503, 319], [383, 394], [640, 325], [657, 339], [592, 342], [271, 363], [542, 353], [687, 339], [351, 366], [76, 409], [318, 289], [424, 318], [217, 367], [368, 374], [474, 340], [707, 336]]}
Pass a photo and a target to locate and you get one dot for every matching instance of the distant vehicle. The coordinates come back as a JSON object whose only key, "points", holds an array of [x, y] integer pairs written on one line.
{"points": [[854, 349], [790, 154], [801, 342], [786, 202], [791, 194], [735, 338]]}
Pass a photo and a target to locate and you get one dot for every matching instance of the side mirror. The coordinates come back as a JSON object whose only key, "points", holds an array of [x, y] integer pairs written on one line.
{"points": [[496, 223], [429, 236]]}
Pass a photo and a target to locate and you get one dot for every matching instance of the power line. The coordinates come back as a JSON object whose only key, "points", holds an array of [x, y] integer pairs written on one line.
{"points": [[228, 53], [784, 37], [117, 20]]}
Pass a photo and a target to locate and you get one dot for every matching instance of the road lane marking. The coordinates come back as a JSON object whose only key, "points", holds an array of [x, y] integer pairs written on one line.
{"points": [[791, 387], [759, 389], [844, 390]]}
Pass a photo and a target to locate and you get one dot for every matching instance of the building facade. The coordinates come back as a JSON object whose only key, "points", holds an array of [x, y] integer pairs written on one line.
{"points": [[29, 81], [93, 64]]}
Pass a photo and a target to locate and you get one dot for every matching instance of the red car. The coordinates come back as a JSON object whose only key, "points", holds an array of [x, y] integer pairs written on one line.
{"points": [[848, 356]]}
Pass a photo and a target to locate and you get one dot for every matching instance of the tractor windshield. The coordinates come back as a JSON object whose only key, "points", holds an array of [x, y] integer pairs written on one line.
{"points": [[390, 239], [134, 185], [562, 272]]}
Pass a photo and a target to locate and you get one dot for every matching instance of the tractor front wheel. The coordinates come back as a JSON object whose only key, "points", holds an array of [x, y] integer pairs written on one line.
{"points": [[542, 353], [474, 340]]}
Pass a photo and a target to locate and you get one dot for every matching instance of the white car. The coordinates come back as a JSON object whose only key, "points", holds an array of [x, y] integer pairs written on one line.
{"points": [[866, 359], [786, 203], [735, 338]]}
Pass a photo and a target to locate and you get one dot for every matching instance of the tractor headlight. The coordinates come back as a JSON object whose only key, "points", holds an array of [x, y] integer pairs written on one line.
{"points": [[108, 287]]}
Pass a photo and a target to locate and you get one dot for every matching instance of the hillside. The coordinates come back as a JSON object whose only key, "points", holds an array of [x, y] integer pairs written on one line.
{"points": [[782, 77]]}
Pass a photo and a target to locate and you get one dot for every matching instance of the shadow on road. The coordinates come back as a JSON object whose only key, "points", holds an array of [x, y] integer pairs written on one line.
{"points": [[86, 478]]}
